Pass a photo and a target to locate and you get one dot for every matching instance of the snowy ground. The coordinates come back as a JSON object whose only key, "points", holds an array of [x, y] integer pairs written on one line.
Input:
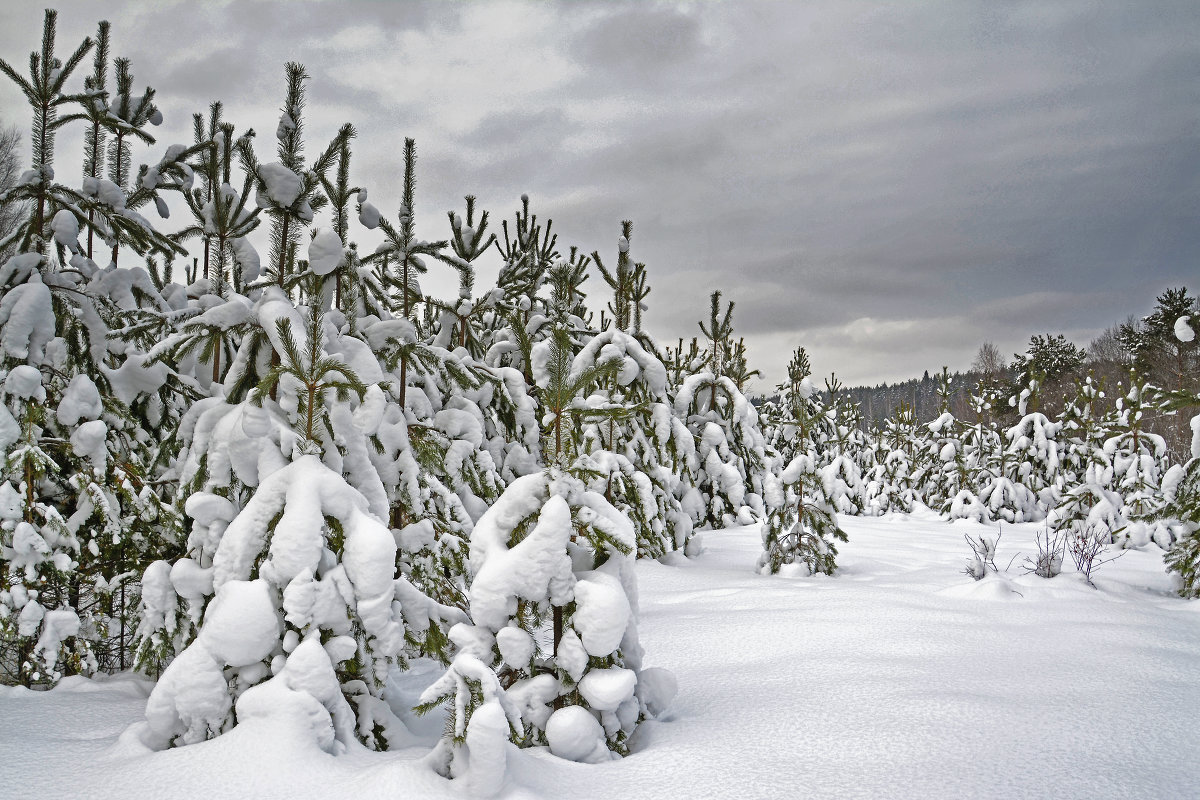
{"points": [[899, 678]]}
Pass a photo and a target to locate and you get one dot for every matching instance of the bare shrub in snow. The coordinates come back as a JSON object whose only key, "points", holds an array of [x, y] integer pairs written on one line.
{"points": [[983, 555], [1050, 554], [1085, 544]]}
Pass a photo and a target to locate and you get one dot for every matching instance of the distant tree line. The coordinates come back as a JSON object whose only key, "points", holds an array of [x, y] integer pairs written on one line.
{"points": [[1136, 351]]}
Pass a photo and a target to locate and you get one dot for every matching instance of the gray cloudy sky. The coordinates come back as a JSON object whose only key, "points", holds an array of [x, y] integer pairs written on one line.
{"points": [[888, 185]]}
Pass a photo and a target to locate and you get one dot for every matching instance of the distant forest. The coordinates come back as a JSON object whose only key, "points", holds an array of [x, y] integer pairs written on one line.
{"points": [[881, 401], [1141, 350]]}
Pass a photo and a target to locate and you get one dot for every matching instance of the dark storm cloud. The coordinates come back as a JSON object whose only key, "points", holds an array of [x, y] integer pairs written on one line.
{"points": [[887, 185]]}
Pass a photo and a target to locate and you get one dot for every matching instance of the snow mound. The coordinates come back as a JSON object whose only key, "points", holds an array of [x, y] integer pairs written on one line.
{"points": [[241, 625], [325, 252], [282, 185], [576, 735]]}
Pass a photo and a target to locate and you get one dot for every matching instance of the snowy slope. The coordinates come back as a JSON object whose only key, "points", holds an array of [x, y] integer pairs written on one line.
{"points": [[898, 678]]}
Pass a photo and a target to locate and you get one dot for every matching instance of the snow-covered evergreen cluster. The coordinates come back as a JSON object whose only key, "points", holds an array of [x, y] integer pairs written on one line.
{"points": [[273, 479], [1090, 468]]}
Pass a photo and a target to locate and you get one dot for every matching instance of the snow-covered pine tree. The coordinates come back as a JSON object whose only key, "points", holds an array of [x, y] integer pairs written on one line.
{"points": [[528, 254], [1182, 487], [1004, 497], [890, 487], [552, 601], [620, 280], [642, 456], [221, 315], [733, 458], [57, 211], [1160, 357], [871, 461], [681, 363], [1088, 507], [406, 253], [95, 108], [523, 317], [41, 630], [1136, 460], [1085, 474], [442, 462], [302, 576], [493, 336], [438, 475], [1083, 434], [1032, 457], [946, 470], [980, 442], [44, 90], [841, 474], [790, 425], [81, 513], [801, 523], [287, 190], [461, 320], [638, 294], [1137, 457], [638, 458], [224, 216], [1042, 373], [738, 366], [355, 289], [126, 117], [288, 194], [87, 514]]}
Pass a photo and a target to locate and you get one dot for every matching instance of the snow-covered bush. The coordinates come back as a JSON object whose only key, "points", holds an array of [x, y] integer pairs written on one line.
{"points": [[801, 524], [553, 606], [304, 562], [1033, 453], [1088, 505], [640, 458], [732, 455], [1183, 495]]}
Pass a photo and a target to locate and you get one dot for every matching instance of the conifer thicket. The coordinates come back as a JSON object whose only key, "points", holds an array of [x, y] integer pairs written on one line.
{"points": [[271, 479]]}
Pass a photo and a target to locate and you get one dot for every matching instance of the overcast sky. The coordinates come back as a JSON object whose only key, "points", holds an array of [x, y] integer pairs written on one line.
{"points": [[887, 185]]}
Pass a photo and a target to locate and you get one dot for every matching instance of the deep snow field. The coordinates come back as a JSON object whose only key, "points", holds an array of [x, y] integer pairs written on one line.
{"points": [[899, 678]]}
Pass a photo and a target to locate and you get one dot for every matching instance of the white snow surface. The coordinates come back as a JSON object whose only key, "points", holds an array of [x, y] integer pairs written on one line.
{"points": [[81, 400], [899, 677], [1183, 329], [26, 320], [282, 185], [325, 252], [607, 689], [66, 229], [601, 612], [241, 625], [575, 735]]}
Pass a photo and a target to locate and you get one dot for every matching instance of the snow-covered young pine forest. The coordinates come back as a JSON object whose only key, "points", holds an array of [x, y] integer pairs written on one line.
{"points": [[276, 522]]}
